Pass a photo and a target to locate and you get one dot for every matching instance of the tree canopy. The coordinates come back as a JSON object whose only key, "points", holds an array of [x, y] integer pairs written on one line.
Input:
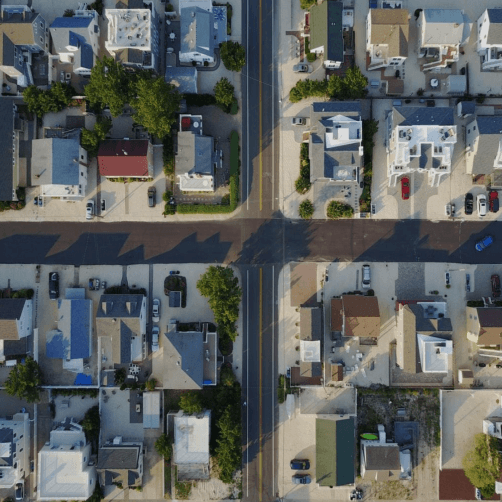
{"points": [[55, 99], [339, 210], [233, 55], [228, 451], [482, 464], [90, 141], [190, 402], [109, 85], [155, 104], [221, 287], [24, 381], [224, 93], [306, 209], [164, 446]]}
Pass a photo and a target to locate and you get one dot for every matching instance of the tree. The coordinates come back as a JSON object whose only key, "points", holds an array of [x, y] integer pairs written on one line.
{"points": [[24, 381], [164, 446], [222, 289], [54, 99], [228, 451], [90, 139], [224, 94], [306, 209], [191, 402], [155, 105], [120, 373], [306, 4], [339, 210], [109, 85], [354, 84], [482, 464], [151, 384], [91, 425], [233, 55], [69, 13]]}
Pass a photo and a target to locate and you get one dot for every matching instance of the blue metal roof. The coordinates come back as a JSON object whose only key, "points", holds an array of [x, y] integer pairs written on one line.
{"points": [[337, 106], [83, 379], [415, 115], [80, 329], [495, 15], [86, 56], [65, 155], [71, 22], [57, 346], [489, 125]]}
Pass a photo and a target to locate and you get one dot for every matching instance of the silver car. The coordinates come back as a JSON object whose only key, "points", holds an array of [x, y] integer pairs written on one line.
{"points": [[89, 209], [302, 68], [155, 338], [366, 282], [156, 310]]}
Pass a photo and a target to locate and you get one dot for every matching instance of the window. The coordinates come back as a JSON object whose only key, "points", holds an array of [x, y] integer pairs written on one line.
{"points": [[85, 459], [474, 128], [81, 174], [41, 40], [468, 131], [41, 25]]}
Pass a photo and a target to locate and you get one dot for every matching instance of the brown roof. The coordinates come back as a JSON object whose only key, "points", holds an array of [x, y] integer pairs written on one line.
{"points": [[455, 485], [409, 339], [390, 27], [395, 86], [121, 157], [303, 283], [490, 321], [10, 311], [336, 314], [467, 376], [298, 378], [15, 30], [362, 316], [336, 372]]}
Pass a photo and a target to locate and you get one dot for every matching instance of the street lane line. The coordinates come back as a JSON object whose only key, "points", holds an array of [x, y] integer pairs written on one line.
{"points": [[247, 385], [260, 453], [260, 127]]}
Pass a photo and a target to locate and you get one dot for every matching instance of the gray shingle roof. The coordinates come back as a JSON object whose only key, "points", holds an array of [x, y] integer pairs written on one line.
{"points": [[195, 154], [445, 27], [6, 131], [490, 134], [414, 115], [326, 29], [118, 457], [183, 363], [197, 31]]}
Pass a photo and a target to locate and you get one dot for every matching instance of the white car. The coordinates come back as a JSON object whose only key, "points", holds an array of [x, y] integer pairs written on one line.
{"points": [[481, 203], [156, 310], [366, 282], [89, 209], [155, 338]]}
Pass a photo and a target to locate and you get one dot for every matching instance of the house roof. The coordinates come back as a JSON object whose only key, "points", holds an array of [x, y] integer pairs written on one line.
{"points": [[414, 115], [151, 410], [390, 27], [119, 157], [335, 452], [195, 154], [326, 29], [183, 357], [7, 109], [429, 325], [362, 316], [494, 35], [310, 345], [455, 485], [445, 27], [490, 322], [183, 78], [16, 29], [408, 346], [118, 316], [55, 161], [75, 323], [197, 31], [119, 457], [191, 439], [336, 314], [488, 143], [10, 311], [382, 458]]}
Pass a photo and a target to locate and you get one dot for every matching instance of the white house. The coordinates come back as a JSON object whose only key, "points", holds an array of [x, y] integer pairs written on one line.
{"points": [[16, 324], [59, 167], [442, 32], [489, 44], [483, 145], [420, 139], [14, 449], [65, 469], [387, 32], [75, 40]]}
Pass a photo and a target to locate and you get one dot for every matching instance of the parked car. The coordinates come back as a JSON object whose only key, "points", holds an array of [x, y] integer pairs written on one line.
{"points": [[53, 285], [103, 205], [468, 203], [447, 278], [301, 479], [485, 242], [495, 286], [477, 494], [152, 192], [468, 282], [481, 203], [155, 338], [32, 465], [35, 201], [20, 490], [356, 494], [494, 201], [298, 121], [300, 465], [302, 68], [366, 282], [156, 310], [405, 188], [89, 209]]}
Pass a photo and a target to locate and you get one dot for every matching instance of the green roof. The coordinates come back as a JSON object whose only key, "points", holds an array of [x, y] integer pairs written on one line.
{"points": [[335, 452], [326, 29]]}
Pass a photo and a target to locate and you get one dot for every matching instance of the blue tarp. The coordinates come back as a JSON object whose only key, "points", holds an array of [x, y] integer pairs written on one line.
{"points": [[83, 379]]}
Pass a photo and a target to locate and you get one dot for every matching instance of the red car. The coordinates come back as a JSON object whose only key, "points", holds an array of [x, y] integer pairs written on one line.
{"points": [[494, 201], [495, 286], [405, 188]]}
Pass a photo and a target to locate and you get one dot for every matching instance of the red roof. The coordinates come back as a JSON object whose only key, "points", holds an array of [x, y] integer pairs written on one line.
{"points": [[123, 158], [455, 485]]}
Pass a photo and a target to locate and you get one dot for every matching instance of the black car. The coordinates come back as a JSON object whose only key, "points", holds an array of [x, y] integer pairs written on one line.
{"points": [[469, 203], [20, 491], [300, 465], [53, 285]]}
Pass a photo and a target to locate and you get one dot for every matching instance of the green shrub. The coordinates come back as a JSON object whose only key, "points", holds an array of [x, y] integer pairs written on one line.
{"points": [[338, 210], [200, 99], [306, 209], [168, 155]]}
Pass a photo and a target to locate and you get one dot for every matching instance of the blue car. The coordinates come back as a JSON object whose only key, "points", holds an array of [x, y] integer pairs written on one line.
{"points": [[300, 465], [485, 242]]}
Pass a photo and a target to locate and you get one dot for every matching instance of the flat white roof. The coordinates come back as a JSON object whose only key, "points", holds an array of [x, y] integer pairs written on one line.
{"points": [[310, 351], [151, 410], [191, 439], [129, 29], [434, 353]]}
